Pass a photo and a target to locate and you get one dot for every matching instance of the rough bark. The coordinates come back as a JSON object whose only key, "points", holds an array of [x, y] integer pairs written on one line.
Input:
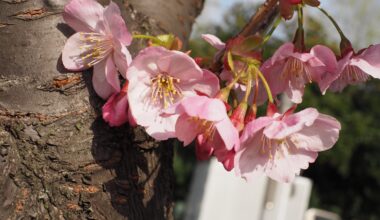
{"points": [[58, 158]]}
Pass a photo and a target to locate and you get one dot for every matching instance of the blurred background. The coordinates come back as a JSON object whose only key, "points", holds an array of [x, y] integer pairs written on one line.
{"points": [[346, 179]]}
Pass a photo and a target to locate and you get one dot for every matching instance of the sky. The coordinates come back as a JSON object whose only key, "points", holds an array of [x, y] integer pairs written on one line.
{"points": [[358, 19]]}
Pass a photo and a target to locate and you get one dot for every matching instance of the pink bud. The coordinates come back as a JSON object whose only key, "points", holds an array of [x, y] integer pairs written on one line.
{"points": [[238, 115]]}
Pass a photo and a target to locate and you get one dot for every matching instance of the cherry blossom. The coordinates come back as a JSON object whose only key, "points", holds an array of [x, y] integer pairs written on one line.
{"points": [[288, 70], [100, 42], [207, 119], [159, 78], [356, 68], [281, 145]]}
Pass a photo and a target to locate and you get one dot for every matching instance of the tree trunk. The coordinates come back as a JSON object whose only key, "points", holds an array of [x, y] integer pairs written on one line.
{"points": [[58, 158]]}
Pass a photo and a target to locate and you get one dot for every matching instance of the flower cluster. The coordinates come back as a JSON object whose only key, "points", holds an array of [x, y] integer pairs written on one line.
{"points": [[167, 92]]}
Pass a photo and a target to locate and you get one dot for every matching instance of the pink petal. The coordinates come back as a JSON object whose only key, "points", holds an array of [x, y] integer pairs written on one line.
{"points": [[115, 24], [163, 130], [291, 124], [207, 85], [144, 64], [214, 41], [122, 59], [369, 61], [203, 148], [131, 119], [249, 161], [295, 90], [284, 51], [319, 136], [330, 72], [307, 57], [326, 55], [185, 130], [115, 111], [204, 108], [83, 15], [253, 127], [287, 165], [74, 54], [228, 133], [139, 96], [179, 65], [147, 113], [105, 78], [272, 73]]}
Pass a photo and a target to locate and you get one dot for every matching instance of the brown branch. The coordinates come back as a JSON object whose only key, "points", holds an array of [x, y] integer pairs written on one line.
{"points": [[261, 19], [259, 22]]}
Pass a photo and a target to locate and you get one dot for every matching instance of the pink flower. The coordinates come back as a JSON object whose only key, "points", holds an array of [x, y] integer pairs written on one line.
{"points": [[356, 68], [115, 110], [281, 145], [100, 42], [207, 118], [159, 78], [289, 71]]}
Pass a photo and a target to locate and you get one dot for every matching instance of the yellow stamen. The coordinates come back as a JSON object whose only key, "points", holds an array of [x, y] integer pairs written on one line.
{"points": [[204, 127], [95, 48], [165, 89]]}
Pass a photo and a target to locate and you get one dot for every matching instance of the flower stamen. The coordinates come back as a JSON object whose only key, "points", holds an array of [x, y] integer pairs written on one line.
{"points": [[296, 68], [165, 89], [95, 48]]}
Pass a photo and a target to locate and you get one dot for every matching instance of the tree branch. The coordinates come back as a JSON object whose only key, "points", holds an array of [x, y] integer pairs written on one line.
{"points": [[261, 19]]}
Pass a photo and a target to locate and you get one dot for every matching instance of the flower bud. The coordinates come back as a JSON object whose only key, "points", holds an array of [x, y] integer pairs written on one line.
{"points": [[238, 116]]}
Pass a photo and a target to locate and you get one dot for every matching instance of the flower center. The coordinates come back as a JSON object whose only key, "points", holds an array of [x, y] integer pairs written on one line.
{"points": [[165, 89], [296, 68], [278, 148], [95, 48], [204, 127], [354, 74]]}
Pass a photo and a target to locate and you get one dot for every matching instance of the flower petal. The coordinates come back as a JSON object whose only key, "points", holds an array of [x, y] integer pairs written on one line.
{"points": [[122, 59], [144, 64], [206, 85], [115, 110], [115, 24], [105, 79], [287, 164], [204, 108], [228, 133], [320, 136], [78, 53], [203, 148], [185, 130], [330, 73], [83, 15], [369, 61], [179, 65], [214, 41], [284, 51], [249, 161], [291, 124]]}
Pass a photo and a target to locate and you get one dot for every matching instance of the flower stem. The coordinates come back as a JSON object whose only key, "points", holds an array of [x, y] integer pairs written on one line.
{"points": [[342, 36], [299, 39], [267, 88], [248, 87], [269, 34]]}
